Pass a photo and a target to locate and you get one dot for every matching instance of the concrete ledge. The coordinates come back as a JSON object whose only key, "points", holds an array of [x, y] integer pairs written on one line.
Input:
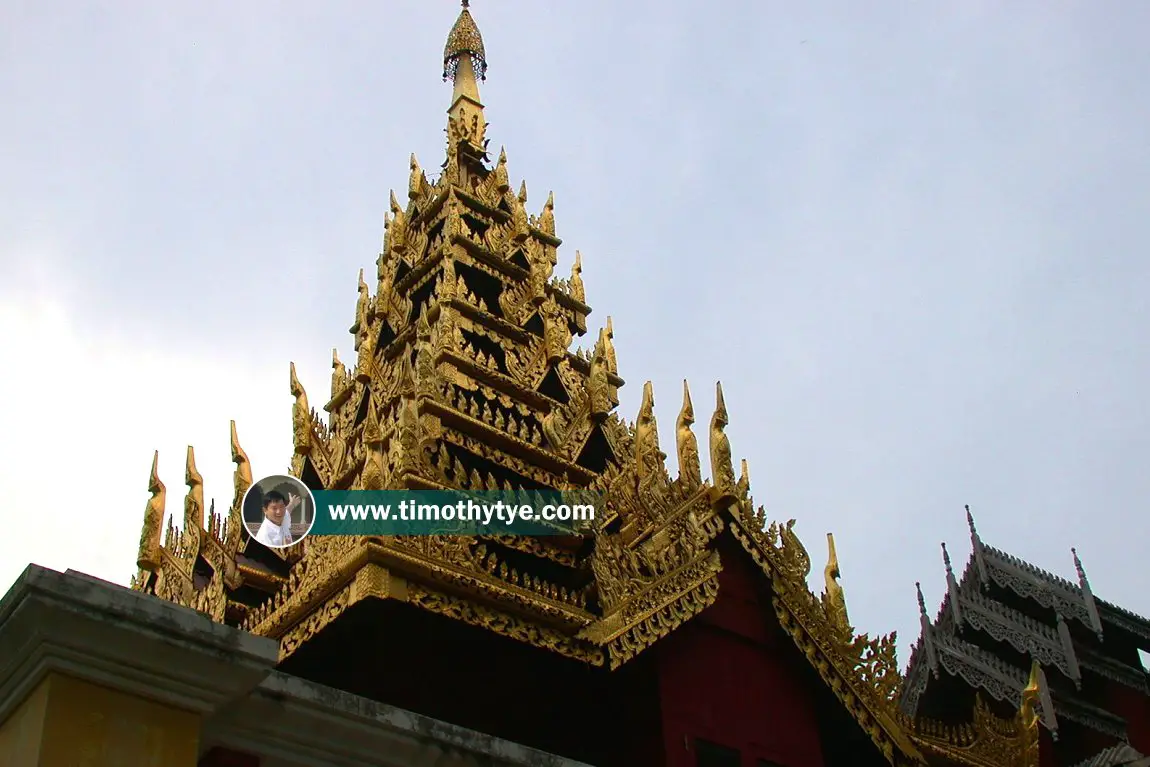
{"points": [[296, 722], [109, 635]]}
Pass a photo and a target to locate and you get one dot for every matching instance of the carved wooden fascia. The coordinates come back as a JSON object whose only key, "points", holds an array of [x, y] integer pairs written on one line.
{"points": [[986, 741], [338, 573], [863, 674], [648, 590]]}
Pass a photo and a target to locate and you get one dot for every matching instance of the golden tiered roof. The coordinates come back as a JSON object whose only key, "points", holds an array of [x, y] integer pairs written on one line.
{"points": [[464, 377]]}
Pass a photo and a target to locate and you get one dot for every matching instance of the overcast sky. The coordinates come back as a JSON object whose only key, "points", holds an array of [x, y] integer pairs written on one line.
{"points": [[910, 239]]}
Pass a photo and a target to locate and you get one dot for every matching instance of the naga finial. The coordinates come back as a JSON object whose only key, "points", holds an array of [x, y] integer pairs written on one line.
{"points": [[241, 481], [722, 471], [300, 413], [835, 600], [546, 221], [416, 182], [194, 501], [502, 183], [690, 472], [338, 374], [151, 535], [743, 486], [598, 386], [361, 303], [648, 457], [578, 291], [612, 363]]}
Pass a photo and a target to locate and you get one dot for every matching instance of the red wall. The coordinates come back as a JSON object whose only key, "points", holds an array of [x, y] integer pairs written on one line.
{"points": [[732, 677], [1134, 707]]}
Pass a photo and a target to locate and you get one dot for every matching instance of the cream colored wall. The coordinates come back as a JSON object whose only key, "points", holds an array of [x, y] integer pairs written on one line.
{"points": [[21, 733], [66, 722]]}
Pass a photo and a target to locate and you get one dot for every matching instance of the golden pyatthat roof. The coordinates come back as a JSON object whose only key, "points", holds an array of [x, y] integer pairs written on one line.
{"points": [[465, 378]]}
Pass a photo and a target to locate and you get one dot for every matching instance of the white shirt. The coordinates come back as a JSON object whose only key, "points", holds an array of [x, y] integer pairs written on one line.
{"points": [[271, 534]]}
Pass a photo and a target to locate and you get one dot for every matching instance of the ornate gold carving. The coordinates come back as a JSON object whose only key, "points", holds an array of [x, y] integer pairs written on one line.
{"points": [[148, 558], [985, 741], [192, 532], [578, 292], [649, 458], [417, 187], [722, 471], [598, 385], [212, 600], [609, 348], [861, 671], [499, 180], [546, 221], [315, 622], [300, 414], [505, 624], [834, 601], [690, 471]]}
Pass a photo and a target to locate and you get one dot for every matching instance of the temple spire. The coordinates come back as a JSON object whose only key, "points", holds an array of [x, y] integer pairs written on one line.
{"points": [[465, 65]]}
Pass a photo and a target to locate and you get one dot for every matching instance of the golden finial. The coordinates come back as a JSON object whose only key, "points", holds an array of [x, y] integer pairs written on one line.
{"points": [[194, 501], [464, 43], [502, 183], [300, 414], [612, 363], [546, 222], [722, 471], [338, 374], [361, 301], [241, 481], [1030, 699], [834, 600], [598, 387], [648, 457], [416, 181], [687, 446], [743, 486], [578, 291], [151, 535]]}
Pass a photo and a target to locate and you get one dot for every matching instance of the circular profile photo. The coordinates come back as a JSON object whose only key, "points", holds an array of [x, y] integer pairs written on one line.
{"points": [[279, 511]]}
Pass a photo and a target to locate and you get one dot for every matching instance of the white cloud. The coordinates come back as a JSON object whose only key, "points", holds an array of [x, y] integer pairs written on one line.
{"points": [[83, 414]]}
